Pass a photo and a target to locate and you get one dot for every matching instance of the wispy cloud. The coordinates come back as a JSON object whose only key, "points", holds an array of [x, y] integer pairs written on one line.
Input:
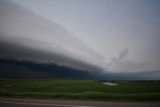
{"points": [[122, 64]]}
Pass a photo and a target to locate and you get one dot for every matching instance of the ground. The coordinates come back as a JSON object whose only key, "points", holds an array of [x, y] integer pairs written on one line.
{"points": [[81, 89]]}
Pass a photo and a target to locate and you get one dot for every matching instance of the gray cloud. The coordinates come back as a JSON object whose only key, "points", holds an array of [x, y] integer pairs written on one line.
{"points": [[123, 54], [26, 35], [122, 64]]}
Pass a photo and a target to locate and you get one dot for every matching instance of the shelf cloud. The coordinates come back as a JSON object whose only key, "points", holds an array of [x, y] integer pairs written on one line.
{"points": [[26, 35]]}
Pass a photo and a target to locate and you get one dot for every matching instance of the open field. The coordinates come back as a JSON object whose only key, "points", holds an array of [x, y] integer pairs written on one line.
{"points": [[81, 89]]}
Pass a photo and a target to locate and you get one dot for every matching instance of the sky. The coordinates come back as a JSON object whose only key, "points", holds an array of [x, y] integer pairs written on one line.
{"points": [[119, 36]]}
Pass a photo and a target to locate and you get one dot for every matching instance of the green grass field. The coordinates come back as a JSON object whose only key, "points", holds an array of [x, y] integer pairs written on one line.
{"points": [[81, 89]]}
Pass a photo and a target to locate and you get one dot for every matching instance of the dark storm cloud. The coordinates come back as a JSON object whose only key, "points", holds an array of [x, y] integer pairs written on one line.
{"points": [[25, 35], [21, 52]]}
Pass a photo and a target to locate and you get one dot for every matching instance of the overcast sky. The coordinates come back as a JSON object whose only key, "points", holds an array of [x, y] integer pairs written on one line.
{"points": [[124, 34]]}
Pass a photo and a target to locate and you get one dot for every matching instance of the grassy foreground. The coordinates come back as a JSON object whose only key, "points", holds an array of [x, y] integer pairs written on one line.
{"points": [[81, 89]]}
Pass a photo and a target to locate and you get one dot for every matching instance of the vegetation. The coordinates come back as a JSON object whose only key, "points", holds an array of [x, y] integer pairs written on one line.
{"points": [[81, 89]]}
